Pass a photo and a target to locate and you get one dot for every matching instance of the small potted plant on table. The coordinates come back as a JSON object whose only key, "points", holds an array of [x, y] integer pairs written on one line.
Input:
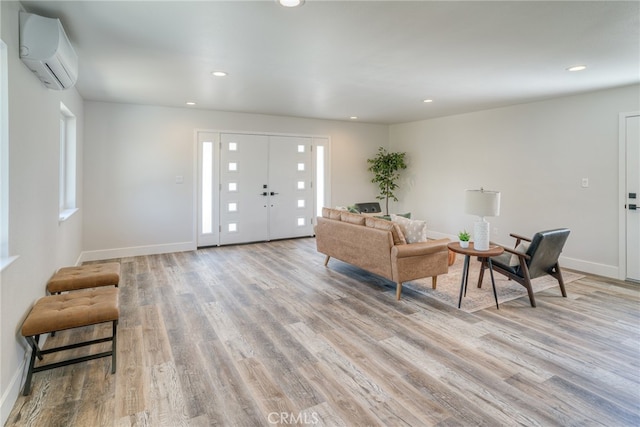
{"points": [[464, 237]]}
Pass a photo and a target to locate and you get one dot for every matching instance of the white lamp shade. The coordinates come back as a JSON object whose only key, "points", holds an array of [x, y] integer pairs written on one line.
{"points": [[482, 202]]}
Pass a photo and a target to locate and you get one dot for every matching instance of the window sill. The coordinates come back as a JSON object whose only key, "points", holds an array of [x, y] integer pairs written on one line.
{"points": [[6, 262], [66, 214]]}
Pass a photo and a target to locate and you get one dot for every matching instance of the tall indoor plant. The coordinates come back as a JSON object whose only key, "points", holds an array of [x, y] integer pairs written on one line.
{"points": [[386, 169]]}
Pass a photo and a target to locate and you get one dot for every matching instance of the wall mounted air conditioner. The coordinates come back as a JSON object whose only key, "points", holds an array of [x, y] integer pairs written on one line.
{"points": [[46, 50]]}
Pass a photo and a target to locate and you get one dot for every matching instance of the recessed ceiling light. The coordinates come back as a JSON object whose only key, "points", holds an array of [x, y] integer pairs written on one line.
{"points": [[577, 68], [219, 74], [290, 3], [426, 101], [190, 103], [353, 118]]}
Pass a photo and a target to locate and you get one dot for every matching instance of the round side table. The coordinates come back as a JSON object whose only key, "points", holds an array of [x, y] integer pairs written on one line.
{"points": [[482, 255]]}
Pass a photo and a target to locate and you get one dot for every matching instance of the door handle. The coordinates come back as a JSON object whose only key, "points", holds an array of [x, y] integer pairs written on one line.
{"points": [[273, 193], [633, 207], [264, 193]]}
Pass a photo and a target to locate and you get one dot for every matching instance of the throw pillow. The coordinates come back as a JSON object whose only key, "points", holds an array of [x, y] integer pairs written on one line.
{"points": [[515, 260], [388, 217], [413, 230]]}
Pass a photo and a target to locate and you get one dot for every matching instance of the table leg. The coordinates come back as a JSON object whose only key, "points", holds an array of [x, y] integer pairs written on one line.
{"points": [[463, 282], [466, 276], [493, 283]]}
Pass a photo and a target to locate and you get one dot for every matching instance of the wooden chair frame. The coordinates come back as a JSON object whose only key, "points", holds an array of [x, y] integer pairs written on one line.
{"points": [[525, 279]]}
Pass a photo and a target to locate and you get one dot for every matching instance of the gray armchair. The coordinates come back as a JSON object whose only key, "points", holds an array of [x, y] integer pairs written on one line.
{"points": [[537, 257]]}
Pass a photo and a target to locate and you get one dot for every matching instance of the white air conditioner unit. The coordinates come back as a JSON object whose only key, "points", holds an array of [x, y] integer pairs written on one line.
{"points": [[46, 50]]}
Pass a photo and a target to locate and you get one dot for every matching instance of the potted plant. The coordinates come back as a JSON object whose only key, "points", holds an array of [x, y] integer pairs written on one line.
{"points": [[464, 237], [385, 167]]}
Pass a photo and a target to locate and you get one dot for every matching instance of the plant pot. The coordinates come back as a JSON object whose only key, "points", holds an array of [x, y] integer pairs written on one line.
{"points": [[464, 244]]}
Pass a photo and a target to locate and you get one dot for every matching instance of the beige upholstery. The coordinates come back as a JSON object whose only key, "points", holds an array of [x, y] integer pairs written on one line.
{"points": [[72, 310], [84, 276], [371, 247]]}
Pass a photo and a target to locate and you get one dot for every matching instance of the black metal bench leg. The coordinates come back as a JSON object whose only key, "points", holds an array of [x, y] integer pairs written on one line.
{"points": [[113, 347], [32, 361]]}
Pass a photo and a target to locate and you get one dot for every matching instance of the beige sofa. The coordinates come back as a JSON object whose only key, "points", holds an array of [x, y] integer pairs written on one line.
{"points": [[378, 246]]}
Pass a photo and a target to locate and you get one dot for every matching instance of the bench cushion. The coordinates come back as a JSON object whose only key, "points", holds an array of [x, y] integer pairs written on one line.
{"points": [[84, 276], [72, 310]]}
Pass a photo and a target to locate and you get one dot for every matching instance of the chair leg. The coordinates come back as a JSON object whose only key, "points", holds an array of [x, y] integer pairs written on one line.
{"points": [[527, 282], [481, 275], [558, 275], [434, 282], [326, 260]]}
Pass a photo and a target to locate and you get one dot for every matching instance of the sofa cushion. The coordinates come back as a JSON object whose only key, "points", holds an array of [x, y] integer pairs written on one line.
{"points": [[396, 232], [352, 218], [413, 230], [331, 213]]}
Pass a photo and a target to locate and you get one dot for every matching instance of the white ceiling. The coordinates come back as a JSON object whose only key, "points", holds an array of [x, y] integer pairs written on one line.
{"points": [[376, 60]]}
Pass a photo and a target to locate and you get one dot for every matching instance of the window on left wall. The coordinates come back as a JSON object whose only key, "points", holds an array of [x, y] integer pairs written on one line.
{"points": [[67, 171], [5, 255]]}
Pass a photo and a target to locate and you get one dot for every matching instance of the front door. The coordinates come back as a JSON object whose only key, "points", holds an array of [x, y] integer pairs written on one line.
{"points": [[290, 181], [632, 215], [244, 189], [258, 187]]}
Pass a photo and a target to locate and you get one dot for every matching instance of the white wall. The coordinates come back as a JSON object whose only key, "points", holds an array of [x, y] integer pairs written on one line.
{"points": [[41, 244], [133, 154], [536, 154]]}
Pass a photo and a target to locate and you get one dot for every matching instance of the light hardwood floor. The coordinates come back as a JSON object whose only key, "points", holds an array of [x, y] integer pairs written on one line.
{"points": [[264, 334]]}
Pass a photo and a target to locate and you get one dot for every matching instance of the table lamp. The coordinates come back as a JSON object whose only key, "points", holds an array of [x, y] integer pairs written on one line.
{"points": [[482, 203]]}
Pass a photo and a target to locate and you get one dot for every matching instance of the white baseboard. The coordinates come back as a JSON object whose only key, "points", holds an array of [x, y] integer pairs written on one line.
{"points": [[603, 270], [15, 385], [136, 251], [610, 271]]}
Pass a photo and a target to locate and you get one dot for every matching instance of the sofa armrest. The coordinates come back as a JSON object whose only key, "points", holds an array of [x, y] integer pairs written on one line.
{"points": [[419, 248]]}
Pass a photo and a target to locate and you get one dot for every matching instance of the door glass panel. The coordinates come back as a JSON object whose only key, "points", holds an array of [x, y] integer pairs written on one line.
{"points": [[233, 167], [300, 185], [301, 203], [232, 227], [301, 167], [233, 146], [301, 148], [233, 186], [232, 207], [301, 222], [207, 188], [319, 179]]}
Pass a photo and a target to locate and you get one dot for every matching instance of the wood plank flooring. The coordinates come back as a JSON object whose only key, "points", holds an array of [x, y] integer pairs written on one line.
{"points": [[264, 334]]}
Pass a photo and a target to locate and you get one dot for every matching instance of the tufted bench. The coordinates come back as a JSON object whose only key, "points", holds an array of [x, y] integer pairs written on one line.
{"points": [[66, 311], [84, 276]]}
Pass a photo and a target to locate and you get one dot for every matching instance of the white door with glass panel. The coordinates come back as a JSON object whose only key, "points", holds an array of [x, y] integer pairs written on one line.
{"points": [[256, 187], [290, 192], [244, 189]]}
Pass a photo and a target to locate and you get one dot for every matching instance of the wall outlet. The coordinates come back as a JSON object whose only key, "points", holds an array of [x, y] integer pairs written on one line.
{"points": [[585, 182]]}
